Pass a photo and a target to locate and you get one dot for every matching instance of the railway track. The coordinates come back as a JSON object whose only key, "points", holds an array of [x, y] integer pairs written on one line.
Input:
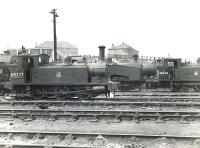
{"points": [[157, 90], [164, 93], [122, 97], [118, 98], [153, 98], [141, 94], [8, 145], [154, 95], [96, 115], [117, 103], [80, 134]]}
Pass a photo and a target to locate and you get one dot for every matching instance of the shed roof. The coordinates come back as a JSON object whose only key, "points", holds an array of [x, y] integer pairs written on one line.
{"points": [[60, 44], [122, 46]]}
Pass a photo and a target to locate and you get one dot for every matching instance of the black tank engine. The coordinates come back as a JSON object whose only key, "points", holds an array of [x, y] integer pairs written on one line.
{"points": [[33, 75]]}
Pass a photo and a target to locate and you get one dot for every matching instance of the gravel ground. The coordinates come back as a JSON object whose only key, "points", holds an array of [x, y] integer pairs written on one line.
{"points": [[100, 141], [109, 126], [147, 127], [109, 107]]}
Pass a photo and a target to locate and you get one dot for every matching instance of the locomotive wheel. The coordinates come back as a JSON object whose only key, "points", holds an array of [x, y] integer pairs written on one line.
{"points": [[125, 88], [37, 94], [5, 76], [2, 92], [183, 88], [175, 89], [61, 92], [196, 88]]}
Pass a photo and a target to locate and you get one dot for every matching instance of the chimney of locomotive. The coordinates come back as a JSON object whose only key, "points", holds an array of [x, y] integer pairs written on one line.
{"points": [[102, 53]]}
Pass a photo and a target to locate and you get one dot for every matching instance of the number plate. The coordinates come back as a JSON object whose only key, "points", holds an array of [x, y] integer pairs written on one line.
{"points": [[17, 75]]}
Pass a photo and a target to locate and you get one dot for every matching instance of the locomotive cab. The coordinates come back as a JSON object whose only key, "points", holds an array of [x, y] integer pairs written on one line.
{"points": [[20, 71], [24, 66], [170, 66], [161, 74], [167, 72]]}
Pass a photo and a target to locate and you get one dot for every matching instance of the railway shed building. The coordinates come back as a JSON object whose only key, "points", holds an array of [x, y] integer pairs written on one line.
{"points": [[123, 51], [64, 49]]}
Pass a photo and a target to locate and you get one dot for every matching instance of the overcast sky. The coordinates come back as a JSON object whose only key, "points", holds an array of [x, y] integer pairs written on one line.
{"points": [[154, 27]]}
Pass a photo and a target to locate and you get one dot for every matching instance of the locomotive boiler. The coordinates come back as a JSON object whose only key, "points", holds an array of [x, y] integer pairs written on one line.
{"points": [[128, 74]]}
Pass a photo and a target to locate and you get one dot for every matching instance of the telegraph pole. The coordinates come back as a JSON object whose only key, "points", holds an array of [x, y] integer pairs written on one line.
{"points": [[54, 33]]}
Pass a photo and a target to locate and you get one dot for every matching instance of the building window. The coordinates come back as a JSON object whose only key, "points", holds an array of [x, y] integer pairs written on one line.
{"points": [[47, 51], [34, 51]]}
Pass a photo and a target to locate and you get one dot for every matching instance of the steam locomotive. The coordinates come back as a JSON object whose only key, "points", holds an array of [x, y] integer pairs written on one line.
{"points": [[33, 76], [166, 73]]}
